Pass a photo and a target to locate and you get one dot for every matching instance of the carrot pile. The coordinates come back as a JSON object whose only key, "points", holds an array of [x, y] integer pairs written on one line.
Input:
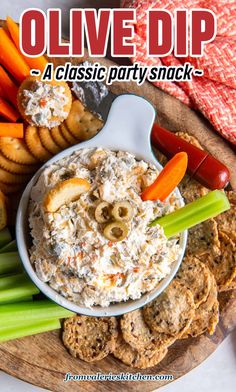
{"points": [[14, 68]]}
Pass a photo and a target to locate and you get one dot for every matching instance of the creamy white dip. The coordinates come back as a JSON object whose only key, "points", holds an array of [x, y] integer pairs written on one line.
{"points": [[70, 251], [44, 102]]}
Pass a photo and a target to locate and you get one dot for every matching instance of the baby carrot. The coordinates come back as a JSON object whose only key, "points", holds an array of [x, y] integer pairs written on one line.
{"points": [[11, 59], [9, 88], [12, 130], [7, 111], [168, 179], [33, 62]]}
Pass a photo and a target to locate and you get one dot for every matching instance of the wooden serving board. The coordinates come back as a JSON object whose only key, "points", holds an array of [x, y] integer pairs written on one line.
{"points": [[42, 359]]}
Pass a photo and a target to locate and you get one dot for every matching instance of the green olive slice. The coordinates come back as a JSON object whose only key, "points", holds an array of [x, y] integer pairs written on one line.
{"points": [[102, 212], [122, 211], [116, 231]]}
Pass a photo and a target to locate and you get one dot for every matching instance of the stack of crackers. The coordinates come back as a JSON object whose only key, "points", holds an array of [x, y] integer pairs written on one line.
{"points": [[21, 158], [189, 306]]}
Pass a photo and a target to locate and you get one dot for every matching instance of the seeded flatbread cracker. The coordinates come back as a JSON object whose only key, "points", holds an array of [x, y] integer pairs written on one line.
{"points": [[59, 138], [141, 360], [172, 312], [223, 266], [227, 221], [48, 142], [90, 338], [228, 287], [10, 178], [67, 135], [160, 157], [196, 277], [34, 144], [191, 189], [139, 336], [189, 138], [207, 315], [16, 168], [203, 238], [10, 188], [64, 192], [17, 151]]}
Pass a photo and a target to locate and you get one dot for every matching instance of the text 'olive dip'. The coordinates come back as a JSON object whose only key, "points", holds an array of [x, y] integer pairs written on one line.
{"points": [[70, 250]]}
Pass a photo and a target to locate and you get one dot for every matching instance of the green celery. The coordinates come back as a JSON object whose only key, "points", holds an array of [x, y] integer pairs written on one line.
{"points": [[22, 287], [208, 206], [10, 247], [9, 262], [9, 281], [5, 237], [21, 299], [28, 329], [36, 310]]}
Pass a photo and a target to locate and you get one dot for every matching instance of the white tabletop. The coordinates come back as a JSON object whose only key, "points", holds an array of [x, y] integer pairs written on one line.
{"points": [[217, 373]]}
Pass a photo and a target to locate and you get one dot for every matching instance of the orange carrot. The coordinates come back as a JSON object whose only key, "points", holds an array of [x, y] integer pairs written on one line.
{"points": [[168, 179], [12, 130], [8, 86], [2, 92], [11, 59], [33, 62], [7, 111]]}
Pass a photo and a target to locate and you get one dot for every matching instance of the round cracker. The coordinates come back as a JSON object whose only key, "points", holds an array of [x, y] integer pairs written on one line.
{"points": [[28, 84], [74, 118], [17, 151], [34, 144], [59, 138], [203, 238], [139, 336], [10, 178], [48, 142], [223, 266], [16, 168], [90, 338], [89, 126], [67, 135], [196, 277], [141, 360], [207, 315], [172, 312], [7, 189]]}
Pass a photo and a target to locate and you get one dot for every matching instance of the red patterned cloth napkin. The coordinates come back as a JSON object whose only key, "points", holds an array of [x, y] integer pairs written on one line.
{"points": [[215, 93]]}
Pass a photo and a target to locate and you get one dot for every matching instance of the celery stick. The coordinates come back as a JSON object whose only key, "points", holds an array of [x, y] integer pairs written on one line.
{"points": [[13, 301], [4, 325], [10, 247], [5, 237], [28, 329], [9, 281], [36, 310], [9, 262], [23, 288], [208, 206]]}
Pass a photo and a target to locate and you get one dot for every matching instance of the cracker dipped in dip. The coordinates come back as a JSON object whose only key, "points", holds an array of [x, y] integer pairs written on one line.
{"points": [[96, 247], [44, 104]]}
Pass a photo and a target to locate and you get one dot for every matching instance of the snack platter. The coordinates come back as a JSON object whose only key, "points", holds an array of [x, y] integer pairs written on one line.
{"points": [[43, 360]]}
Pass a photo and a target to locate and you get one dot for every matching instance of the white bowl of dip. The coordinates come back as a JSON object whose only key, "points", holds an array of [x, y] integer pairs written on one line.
{"points": [[128, 128]]}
